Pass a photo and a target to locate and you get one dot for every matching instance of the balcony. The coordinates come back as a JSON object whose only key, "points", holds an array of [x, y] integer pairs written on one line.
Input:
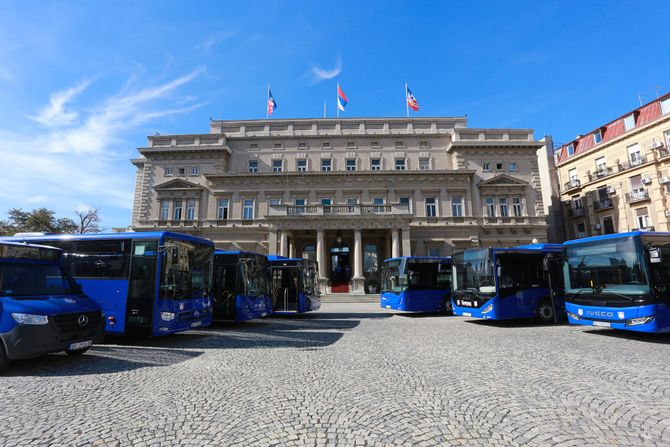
{"points": [[637, 161], [663, 153], [338, 210], [603, 171], [580, 234], [637, 196], [572, 184], [576, 212], [603, 204]]}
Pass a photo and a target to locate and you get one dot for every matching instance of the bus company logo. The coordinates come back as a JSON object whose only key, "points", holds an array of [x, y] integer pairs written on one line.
{"points": [[196, 314], [599, 313], [181, 306], [621, 315], [580, 312], [82, 320]]}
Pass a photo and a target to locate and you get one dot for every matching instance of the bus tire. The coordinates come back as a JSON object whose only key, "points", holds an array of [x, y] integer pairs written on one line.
{"points": [[76, 351], [447, 307], [545, 312], [4, 360]]}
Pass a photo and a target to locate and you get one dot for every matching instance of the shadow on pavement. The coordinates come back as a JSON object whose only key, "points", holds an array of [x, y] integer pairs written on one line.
{"points": [[518, 323], [646, 337], [421, 314]]}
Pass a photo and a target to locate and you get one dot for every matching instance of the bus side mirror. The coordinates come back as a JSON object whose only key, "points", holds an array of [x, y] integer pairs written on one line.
{"points": [[499, 271], [655, 255]]}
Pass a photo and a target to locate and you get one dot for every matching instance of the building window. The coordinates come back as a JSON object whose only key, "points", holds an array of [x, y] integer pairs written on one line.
{"points": [[327, 203], [601, 166], [302, 145], [176, 215], [500, 166], [634, 155], [581, 229], [277, 165], [490, 207], [351, 204], [195, 170], [379, 204], [405, 201], [168, 172], [665, 106], [299, 205], [504, 210], [351, 164], [248, 209], [629, 122], [517, 208], [636, 186], [274, 202], [456, 206], [399, 144], [597, 137], [431, 206], [486, 167], [190, 209], [400, 164], [301, 165], [643, 220], [278, 146], [325, 145], [667, 138], [608, 225], [326, 164], [253, 147], [434, 252], [423, 145], [374, 145], [571, 150], [370, 259], [424, 164], [222, 210], [165, 210], [375, 164], [253, 165], [182, 171], [511, 166], [351, 145]]}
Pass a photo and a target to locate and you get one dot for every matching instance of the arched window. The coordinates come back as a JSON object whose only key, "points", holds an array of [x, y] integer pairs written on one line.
{"points": [[309, 252]]}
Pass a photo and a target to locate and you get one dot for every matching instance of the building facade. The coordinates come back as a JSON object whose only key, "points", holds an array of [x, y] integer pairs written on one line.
{"points": [[346, 192], [616, 178]]}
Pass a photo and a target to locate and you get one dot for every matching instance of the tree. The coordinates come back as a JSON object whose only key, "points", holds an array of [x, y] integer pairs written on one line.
{"points": [[88, 221], [44, 220]]}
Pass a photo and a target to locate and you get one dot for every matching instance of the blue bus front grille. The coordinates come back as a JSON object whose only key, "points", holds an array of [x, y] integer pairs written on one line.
{"points": [[70, 323]]}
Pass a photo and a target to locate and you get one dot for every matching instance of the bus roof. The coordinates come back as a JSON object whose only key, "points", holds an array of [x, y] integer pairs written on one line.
{"points": [[604, 237], [275, 258], [540, 246], [237, 252], [22, 250], [95, 236], [437, 258]]}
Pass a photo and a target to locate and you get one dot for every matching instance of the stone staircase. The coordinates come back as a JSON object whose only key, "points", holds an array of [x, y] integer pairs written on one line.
{"points": [[349, 298]]}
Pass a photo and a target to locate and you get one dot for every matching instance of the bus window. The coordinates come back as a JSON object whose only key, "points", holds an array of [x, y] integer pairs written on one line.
{"points": [[99, 259], [520, 272]]}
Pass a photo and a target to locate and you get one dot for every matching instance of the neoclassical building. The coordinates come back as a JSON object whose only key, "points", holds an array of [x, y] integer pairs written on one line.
{"points": [[346, 192]]}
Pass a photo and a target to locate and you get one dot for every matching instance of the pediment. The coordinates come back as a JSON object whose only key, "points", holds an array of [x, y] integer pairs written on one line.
{"points": [[177, 184], [503, 180]]}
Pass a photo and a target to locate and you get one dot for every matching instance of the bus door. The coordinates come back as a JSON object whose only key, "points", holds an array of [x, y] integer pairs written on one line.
{"points": [[142, 292], [553, 267], [225, 291], [285, 287]]}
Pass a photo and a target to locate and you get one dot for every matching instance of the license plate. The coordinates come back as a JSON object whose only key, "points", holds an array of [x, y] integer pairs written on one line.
{"points": [[602, 324], [80, 345], [196, 323], [467, 314], [466, 303]]}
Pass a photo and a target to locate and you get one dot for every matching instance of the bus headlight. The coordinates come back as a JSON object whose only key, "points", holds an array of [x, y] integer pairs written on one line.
{"points": [[487, 309], [639, 321], [574, 316], [30, 319], [167, 316]]}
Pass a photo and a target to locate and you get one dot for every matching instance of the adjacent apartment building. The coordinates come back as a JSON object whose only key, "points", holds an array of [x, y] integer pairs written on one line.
{"points": [[346, 192], [616, 177]]}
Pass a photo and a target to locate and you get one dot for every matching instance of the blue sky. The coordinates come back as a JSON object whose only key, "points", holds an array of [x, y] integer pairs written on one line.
{"points": [[83, 83]]}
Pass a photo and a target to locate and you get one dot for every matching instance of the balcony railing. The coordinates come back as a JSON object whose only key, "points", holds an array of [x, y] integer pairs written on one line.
{"points": [[637, 161], [580, 234], [637, 196], [601, 172], [576, 212], [573, 183], [338, 210], [603, 204]]}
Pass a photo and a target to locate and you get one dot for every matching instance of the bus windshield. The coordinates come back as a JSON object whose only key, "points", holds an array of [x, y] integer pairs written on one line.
{"points": [[606, 267], [185, 271], [393, 280], [254, 274], [474, 270], [427, 274], [27, 279]]}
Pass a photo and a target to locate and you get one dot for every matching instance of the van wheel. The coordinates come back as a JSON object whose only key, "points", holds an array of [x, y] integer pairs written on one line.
{"points": [[4, 360], [447, 307], [545, 312], [76, 351]]}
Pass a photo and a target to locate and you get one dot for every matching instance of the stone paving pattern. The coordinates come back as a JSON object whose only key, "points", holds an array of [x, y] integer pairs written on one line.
{"points": [[350, 375]]}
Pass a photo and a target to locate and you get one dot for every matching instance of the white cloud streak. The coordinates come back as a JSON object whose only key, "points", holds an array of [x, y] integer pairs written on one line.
{"points": [[55, 114], [321, 74]]}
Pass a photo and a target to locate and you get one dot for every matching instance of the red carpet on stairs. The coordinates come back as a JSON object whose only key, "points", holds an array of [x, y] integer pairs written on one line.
{"points": [[339, 287]]}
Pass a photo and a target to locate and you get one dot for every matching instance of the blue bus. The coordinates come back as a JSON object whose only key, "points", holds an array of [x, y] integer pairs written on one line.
{"points": [[241, 286], [152, 283], [509, 283], [42, 310], [294, 284], [619, 281], [416, 284]]}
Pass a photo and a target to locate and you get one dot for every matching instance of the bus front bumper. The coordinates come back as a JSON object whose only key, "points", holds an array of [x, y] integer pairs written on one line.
{"points": [[27, 341], [633, 318], [486, 311]]}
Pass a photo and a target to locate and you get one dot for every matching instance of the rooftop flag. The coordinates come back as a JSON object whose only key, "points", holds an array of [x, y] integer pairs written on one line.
{"points": [[341, 99], [272, 104], [412, 103]]}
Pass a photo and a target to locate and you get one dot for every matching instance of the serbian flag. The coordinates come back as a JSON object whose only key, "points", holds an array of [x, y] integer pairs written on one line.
{"points": [[411, 100], [341, 98], [272, 104]]}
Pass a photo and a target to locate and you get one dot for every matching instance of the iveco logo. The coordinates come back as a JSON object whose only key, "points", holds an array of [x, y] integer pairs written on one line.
{"points": [[82, 320], [599, 313]]}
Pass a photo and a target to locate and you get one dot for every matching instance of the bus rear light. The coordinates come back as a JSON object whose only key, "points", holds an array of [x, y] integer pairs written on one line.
{"points": [[167, 316], [639, 321], [487, 309]]}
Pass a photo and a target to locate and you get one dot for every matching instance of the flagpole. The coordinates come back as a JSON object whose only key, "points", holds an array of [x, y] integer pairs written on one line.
{"points": [[337, 103], [324, 108], [406, 102], [267, 102]]}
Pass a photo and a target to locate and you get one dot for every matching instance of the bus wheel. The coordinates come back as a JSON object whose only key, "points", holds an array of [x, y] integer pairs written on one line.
{"points": [[447, 307], [76, 351], [545, 312], [4, 360]]}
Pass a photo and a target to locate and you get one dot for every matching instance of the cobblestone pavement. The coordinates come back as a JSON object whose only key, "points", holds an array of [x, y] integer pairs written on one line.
{"points": [[348, 375]]}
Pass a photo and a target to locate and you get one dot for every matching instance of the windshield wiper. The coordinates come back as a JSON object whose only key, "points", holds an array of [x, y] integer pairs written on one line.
{"points": [[620, 295]]}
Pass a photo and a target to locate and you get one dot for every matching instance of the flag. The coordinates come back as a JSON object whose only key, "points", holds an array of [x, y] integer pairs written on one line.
{"points": [[341, 98], [272, 104], [411, 101]]}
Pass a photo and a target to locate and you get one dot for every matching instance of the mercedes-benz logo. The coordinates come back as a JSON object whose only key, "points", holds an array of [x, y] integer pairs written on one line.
{"points": [[196, 314], [82, 320]]}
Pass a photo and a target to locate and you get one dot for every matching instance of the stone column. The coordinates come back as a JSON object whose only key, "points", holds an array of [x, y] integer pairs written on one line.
{"points": [[272, 242], [283, 244], [291, 248], [406, 244], [321, 259], [395, 244], [358, 281]]}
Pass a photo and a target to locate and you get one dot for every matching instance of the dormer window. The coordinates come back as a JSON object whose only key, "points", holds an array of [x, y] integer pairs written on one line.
{"points": [[571, 150], [629, 122], [597, 136], [665, 106]]}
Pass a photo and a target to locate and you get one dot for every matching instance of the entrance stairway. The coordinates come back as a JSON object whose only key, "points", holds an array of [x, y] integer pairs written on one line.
{"points": [[339, 287], [349, 299]]}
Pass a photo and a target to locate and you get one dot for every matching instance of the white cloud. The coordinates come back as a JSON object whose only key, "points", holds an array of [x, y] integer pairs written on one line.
{"points": [[75, 163], [321, 74], [55, 114], [206, 45]]}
